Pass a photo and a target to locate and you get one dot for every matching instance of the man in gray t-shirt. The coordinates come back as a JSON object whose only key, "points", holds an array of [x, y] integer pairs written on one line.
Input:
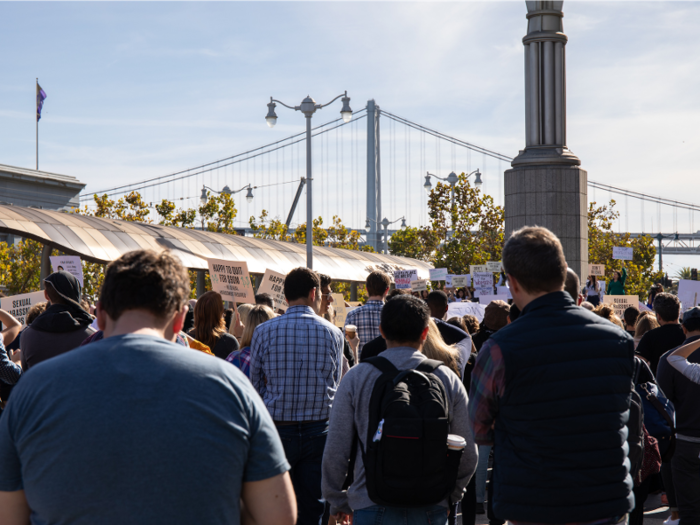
{"points": [[137, 429]]}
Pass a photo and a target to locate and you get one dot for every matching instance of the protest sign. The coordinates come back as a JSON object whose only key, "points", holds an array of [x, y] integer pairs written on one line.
{"points": [[621, 253], [273, 284], [438, 274], [69, 263], [504, 290], [478, 268], [419, 285], [689, 293], [494, 267], [478, 292], [466, 308], [448, 281], [596, 269], [341, 312], [403, 278], [460, 281], [18, 305], [232, 280], [483, 280], [620, 303], [486, 299]]}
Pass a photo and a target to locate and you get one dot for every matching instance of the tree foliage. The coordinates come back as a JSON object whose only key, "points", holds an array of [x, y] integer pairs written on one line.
{"points": [[20, 266], [601, 241]]}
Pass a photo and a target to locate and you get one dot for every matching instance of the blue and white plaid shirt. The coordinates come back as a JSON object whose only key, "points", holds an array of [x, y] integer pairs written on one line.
{"points": [[296, 365], [366, 318]]}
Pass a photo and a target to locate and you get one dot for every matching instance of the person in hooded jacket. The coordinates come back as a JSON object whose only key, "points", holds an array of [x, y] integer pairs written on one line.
{"points": [[62, 327]]}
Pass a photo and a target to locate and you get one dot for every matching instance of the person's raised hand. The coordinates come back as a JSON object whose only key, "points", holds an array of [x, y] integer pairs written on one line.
{"points": [[343, 519], [238, 326]]}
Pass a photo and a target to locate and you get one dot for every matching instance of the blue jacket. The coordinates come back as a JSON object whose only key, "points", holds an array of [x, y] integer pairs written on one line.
{"points": [[560, 434]]}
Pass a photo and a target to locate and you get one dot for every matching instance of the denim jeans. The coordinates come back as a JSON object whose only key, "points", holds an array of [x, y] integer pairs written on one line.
{"points": [[377, 515], [686, 481], [303, 445], [482, 469]]}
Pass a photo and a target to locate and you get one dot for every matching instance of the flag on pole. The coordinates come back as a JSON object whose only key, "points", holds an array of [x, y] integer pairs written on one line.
{"points": [[40, 97]]}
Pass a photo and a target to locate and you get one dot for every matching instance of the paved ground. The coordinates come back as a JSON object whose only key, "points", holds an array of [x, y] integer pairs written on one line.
{"points": [[655, 513]]}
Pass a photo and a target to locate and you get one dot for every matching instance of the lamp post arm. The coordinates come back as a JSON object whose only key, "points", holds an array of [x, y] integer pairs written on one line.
{"points": [[439, 178], [295, 108], [319, 106]]}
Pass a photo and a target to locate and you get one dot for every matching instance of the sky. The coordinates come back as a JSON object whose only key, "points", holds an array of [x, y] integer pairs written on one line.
{"points": [[142, 89]]}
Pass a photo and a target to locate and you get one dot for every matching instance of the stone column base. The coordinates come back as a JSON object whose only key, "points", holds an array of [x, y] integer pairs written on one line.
{"points": [[553, 197]]}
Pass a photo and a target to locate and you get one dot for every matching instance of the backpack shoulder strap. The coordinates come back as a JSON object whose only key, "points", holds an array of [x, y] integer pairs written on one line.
{"points": [[383, 364], [429, 365]]}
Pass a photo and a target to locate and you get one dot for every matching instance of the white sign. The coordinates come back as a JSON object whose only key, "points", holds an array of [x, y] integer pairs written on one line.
{"points": [[486, 299], [341, 313], [69, 263], [624, 254], [597, 269], [448, 281], [18, 305], [620, 303], [419, 285], [483, 280], [478, 268], [467, 308], [438, 274], [494, 267], [460, 281], [504, 290], [689, 293], [478, 292], [403, 278], [232, 280], [273, 284]]}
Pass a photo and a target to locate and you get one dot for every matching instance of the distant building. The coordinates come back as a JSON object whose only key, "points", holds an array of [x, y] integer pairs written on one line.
{"points": [[50, 191]]}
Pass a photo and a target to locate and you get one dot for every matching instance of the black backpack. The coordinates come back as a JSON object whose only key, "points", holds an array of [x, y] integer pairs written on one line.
{"points": [[407, 462]]}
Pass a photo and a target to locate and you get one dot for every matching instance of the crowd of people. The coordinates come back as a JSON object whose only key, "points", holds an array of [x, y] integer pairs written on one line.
{"points": [[153, 408]]}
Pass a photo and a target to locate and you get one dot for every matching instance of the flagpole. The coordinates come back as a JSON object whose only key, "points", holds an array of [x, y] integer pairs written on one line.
{"points": [[37, 129]]}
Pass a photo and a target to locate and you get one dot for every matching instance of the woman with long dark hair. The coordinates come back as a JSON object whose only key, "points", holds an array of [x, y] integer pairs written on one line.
{"points": [[617, 285], [209, 326], [594, 289]]}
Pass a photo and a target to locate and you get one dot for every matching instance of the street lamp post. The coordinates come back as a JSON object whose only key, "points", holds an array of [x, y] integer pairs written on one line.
{"points": [[308, 107], [204, 197], [385, 224], [452, 179]]}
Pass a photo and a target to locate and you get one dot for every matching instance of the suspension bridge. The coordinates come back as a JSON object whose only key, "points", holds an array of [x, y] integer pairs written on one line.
{"points": [[374, 167]]}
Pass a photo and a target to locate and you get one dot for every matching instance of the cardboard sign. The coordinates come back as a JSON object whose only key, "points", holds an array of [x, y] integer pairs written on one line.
{"points": [[273, 284], [341, 313], [689, 293], [620, 303], [403, 278], [438, 274], [504, 290], [483, 280], [232, 280], [18, 305], [486, 299], [69, 263], [460, 281], [478, 268], [623, 254], [466, 308], [419, 285], [596, 269], [494, 267]]}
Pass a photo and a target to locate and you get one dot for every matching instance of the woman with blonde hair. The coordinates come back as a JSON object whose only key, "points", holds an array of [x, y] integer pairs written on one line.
{"points": [[435, 347], [209, 326], [607, 312], [645, 322], [256, 316]]}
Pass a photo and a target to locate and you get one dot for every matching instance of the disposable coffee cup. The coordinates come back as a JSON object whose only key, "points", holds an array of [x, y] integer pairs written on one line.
{"points": [[350, 331], [455, 442]]}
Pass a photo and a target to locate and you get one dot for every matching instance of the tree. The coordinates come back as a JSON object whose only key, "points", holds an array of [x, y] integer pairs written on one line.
{"points": [[274, 229], [218, 213], [171, 216], [601, 240], [417, 243], [20, 266], [685, 273]]}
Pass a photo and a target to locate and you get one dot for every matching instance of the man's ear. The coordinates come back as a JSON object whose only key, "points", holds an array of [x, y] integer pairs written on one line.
{"points": [[424, 335], [101, 316]]}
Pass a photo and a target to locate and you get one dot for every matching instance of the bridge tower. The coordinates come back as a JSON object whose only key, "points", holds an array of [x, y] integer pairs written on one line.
{"points": [[546, 186]]}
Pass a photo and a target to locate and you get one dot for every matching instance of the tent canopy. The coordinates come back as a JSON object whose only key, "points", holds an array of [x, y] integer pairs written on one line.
{"points": [[104, 240]]}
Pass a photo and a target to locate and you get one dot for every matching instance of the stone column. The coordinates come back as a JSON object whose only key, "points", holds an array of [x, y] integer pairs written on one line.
{"points": [[546, 186]]}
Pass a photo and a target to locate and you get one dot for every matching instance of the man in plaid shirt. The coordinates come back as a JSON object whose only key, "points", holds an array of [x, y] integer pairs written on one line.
{"points": [[296, 365], [366, 318]]}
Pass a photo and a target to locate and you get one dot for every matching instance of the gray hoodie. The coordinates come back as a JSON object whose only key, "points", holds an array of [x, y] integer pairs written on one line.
{"points": [[350, 414]]}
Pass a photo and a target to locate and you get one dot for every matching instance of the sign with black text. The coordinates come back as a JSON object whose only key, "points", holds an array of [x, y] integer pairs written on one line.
{"points": [[403, 278], [232, 280], [70, 264], [273, 285], [19, 305]]}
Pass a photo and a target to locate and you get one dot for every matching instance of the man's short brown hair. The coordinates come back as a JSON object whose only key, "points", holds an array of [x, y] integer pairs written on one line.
{"points": [[667, 306], [145, 280], [534, 256], [377, 283]]}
